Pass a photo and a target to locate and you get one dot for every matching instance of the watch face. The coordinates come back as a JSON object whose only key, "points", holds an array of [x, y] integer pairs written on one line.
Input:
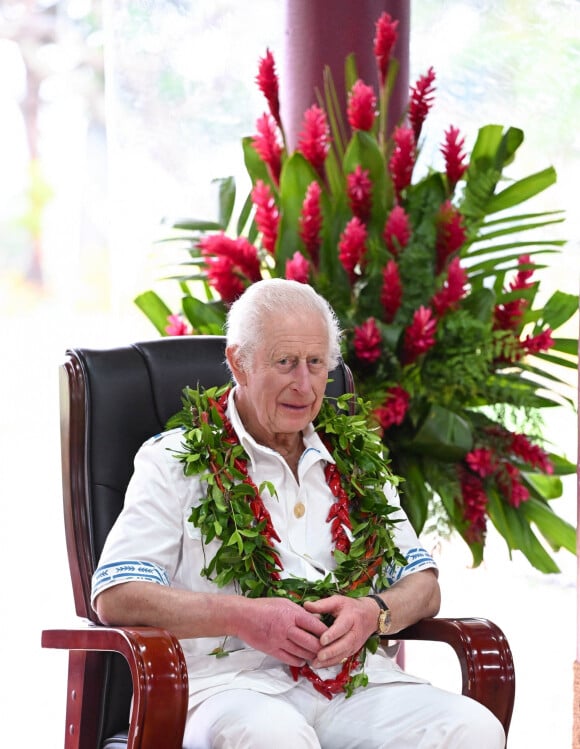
{"points": [[384, 622]]}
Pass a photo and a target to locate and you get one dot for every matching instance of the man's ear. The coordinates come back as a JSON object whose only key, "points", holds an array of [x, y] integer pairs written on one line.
{"points": [[235, 362]]}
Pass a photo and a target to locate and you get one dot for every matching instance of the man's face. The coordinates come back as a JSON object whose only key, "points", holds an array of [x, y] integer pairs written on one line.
{"points": [[282, 389]]}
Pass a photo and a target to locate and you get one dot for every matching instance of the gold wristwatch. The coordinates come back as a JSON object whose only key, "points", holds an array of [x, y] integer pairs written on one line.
{"points": [[384, 618]]}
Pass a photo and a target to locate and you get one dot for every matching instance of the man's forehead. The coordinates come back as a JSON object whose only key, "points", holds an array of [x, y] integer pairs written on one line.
{"points": [[297, 343]]}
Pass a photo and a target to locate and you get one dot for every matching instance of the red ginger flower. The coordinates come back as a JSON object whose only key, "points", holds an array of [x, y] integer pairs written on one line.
{"points": [[367, 341], [267, 145], [508, 480], [421, 101], [420, 335], [176, 325], [297, 268], [267, 214], [222, 276], [394, 409], [481, 461], [391, 291], [531, 454], [508, 316], [451, 234], [359, 190], [453, 288], [474, 506], [521, 281], [352, 247], [229, 262], [310, 222], [314, 140], [267, 81], [397, 231], [541, 342], [362, 107], [384, 43], [402, 159], [452, 150]]}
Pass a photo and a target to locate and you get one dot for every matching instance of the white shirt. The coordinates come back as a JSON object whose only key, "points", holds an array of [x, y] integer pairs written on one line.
{"points": [[153, 540]]}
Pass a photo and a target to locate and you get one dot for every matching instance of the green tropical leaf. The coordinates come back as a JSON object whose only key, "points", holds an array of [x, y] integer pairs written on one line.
{"points": [[480, 304], [331, 103], [226, 200], [515, 528], [566, 346], [206, 318], [562, 466], [516, 225], [522, 190], [192, 224], [495, 148], [542, 485], [245, 225], [559, 308], [415, 495], [256, 168], [443, 434], [557, 532], [154, 308], [297, 174]]}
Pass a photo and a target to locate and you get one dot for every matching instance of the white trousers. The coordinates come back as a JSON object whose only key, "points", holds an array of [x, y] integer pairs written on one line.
{"points": [[385, 716]]}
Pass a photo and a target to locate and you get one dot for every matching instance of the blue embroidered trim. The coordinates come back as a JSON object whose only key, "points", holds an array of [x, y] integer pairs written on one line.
{"points": [[417, 559], [127, 571], [308, 450]]}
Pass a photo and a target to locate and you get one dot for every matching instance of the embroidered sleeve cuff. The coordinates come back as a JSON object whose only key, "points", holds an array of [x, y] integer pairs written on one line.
{"points": [[108, 575], [417, 559]]}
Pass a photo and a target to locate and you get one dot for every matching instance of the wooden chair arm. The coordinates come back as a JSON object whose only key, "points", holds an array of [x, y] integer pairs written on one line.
{"points": [[487, 668], [159, 676]]}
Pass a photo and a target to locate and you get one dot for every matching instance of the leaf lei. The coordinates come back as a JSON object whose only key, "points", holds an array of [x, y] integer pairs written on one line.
{"points": [[232, 511]]}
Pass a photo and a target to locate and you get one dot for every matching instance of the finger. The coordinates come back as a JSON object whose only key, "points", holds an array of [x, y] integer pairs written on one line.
{"points": [[310, 623], [338, 629], [302, 643], [322, 606], [290, 659], [333, 651]]}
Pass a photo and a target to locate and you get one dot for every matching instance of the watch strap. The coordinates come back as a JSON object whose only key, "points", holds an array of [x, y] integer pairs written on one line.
{"points": [[379, 601]]}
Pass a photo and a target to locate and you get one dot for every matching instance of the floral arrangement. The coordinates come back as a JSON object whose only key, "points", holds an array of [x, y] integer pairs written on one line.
{"points": [[435, 279]]}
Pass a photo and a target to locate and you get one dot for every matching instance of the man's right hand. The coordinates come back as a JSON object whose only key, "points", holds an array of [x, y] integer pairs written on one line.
{"points": [[281, 628]]}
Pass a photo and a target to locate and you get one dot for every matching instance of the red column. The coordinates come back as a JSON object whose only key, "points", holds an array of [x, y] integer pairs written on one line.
{"points": [[320, 33]]}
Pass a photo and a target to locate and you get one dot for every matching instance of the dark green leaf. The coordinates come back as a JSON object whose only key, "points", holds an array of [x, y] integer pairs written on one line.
{"points": [[443, 434]]}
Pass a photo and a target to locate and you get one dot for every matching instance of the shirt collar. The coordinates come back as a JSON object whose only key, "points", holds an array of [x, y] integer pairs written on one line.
{"points": [[313, 445]]}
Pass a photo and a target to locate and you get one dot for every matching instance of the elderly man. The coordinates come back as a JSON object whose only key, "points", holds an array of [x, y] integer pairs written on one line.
{"points": [[240, 534]]}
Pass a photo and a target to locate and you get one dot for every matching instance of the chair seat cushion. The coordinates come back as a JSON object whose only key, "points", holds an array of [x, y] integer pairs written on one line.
{"points": [[118, 741]]}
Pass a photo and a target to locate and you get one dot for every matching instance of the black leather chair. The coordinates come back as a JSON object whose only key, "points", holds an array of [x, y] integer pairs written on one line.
{"points": [[127, 686]]}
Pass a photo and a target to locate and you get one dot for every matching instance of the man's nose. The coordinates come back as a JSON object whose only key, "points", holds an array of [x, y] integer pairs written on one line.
{"points": [[302, 376]]}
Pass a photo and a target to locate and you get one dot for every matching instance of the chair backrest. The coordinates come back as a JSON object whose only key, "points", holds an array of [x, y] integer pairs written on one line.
{"points": [[111, 402]]}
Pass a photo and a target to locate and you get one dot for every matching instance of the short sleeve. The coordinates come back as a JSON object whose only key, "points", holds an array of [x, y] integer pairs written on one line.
{"points": [[418, 558], [145, 542]]}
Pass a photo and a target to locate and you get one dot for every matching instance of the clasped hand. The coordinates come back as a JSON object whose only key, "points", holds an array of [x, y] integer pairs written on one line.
{"points": [[296, 635]]}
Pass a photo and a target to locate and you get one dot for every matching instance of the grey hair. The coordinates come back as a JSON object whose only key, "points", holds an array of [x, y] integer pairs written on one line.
{"points": [[248, 314]]}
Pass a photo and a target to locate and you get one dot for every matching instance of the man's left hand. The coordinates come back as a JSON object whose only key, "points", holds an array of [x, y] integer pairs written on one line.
{"points": [[355, 620]]}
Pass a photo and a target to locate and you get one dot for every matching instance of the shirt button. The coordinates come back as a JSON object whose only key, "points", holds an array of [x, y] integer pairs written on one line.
{"points": [[299, 510]]}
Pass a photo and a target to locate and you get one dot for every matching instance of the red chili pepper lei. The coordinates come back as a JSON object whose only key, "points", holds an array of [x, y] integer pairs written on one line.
{"points": [[339, 519]]}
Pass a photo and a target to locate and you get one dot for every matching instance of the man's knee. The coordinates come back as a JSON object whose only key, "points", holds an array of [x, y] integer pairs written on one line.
{"points": [[242, 719], [478, 727]]}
